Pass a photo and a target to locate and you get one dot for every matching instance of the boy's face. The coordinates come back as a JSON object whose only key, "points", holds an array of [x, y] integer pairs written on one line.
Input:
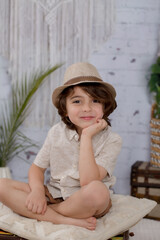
{"points": [[82, 109]]}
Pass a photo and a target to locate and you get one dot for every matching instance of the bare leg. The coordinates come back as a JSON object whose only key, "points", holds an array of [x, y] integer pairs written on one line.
{"points": [[91, 199], [15, 198]]}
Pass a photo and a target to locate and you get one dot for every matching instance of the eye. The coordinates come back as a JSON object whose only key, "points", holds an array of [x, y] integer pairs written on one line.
{"points": [[76, 101], [96, 101]]}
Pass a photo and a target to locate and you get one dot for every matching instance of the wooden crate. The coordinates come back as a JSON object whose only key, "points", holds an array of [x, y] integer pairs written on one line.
{"points": [[145, 183]]}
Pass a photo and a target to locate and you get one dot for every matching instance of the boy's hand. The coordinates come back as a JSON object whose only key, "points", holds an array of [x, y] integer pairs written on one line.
{"points": [[36, 202], [92, 130]]}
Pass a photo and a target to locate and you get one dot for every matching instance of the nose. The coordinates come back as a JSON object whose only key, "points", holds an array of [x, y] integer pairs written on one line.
{"points": [[86, 107]]}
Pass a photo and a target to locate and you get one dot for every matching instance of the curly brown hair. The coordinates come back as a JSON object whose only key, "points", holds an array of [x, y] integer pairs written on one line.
{"points": [[95, 90]]}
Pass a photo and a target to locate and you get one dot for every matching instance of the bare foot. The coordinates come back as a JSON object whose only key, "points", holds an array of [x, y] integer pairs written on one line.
{"points": [[89, 223]]}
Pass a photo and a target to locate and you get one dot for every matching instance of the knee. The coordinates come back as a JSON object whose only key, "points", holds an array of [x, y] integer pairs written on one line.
{"points": [[96, 194]]}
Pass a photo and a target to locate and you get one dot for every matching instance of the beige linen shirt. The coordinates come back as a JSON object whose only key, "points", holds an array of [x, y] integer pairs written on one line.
{"points": [[60, 152]]}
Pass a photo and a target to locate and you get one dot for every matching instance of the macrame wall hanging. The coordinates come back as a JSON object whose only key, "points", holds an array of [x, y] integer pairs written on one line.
{"points": [[39, 33]]}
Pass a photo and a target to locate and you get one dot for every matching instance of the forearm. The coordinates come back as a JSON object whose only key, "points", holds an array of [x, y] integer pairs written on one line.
{"points": [[36, 177], [88, 169], [36, 201]]}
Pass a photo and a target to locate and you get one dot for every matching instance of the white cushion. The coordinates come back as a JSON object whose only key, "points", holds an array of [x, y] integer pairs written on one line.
{"points": [[125, 212]]}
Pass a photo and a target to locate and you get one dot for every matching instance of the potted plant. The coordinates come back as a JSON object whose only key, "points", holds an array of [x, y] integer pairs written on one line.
{"points": [[154, 88], [13, 114]]}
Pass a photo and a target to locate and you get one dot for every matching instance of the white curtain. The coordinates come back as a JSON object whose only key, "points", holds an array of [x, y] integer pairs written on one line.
{"points": [[39, 33]]}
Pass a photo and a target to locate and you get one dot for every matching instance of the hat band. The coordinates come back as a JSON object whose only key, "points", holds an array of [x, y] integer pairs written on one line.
{"points": [[83, 79]]}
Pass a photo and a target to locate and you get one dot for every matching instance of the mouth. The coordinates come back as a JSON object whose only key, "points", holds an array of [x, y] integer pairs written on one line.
{"points": [[87, 118]]}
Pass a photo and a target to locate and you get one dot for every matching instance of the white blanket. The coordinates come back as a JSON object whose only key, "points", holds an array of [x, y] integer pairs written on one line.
{"points": [[125, 212]]}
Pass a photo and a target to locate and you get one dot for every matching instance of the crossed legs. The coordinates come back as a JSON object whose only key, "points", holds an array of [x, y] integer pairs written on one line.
{"points": [[77, 210], [92, 199]]}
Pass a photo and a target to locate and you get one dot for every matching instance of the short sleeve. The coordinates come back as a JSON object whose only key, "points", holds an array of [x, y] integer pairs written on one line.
{"points": [[108, 156], [43, 157]]}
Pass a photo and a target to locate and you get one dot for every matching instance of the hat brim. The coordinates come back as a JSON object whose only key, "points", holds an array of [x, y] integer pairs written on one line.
{"points": [[60, 89]]}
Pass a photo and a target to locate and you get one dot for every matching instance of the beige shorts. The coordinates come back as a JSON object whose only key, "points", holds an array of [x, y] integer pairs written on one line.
{"points": [[51, 200]]}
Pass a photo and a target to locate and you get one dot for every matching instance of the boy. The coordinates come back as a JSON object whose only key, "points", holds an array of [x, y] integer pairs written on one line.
{"points": [[81, 152]]}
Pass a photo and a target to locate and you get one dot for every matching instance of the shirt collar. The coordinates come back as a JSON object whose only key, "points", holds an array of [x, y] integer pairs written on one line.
{"points": [[72, 134]]}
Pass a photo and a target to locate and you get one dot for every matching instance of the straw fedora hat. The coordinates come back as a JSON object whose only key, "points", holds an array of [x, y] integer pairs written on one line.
{"points": [[78, 73]]}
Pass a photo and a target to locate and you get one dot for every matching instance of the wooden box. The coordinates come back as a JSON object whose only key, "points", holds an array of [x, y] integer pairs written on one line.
{"points": [[145, 183]]}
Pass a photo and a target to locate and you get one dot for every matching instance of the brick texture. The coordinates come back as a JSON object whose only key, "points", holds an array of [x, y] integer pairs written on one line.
{"points": [[124, 61]]}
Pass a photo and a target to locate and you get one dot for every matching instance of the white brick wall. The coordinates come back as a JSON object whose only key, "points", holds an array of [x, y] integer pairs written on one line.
{"points": [[123, 61], [4, 79]]}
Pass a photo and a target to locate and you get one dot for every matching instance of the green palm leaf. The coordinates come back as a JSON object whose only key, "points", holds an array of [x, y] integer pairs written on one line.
{"points": [[15, 111], [154, 86]]}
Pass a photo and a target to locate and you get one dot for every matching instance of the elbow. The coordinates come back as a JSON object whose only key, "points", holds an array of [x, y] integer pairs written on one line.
{"points": [[86, 181]]}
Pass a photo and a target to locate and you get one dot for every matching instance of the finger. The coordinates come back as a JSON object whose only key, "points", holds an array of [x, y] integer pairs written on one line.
{"points": [[44, 208], [40, 209], [29, 206], [105, 124], [34, 208], [100, 123], [99, 120], [26, 203]]}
